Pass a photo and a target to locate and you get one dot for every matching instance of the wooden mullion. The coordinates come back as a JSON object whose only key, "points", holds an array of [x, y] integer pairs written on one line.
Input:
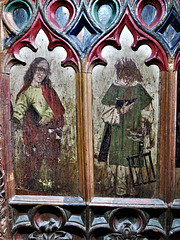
{"points": [[86, 124], [80, 133], [168, 134]]}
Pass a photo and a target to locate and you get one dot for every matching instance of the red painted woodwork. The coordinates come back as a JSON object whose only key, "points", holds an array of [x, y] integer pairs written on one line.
{"points": [[157, 57], [160, 7], [177, 61], [52, 7], [28, 40]]}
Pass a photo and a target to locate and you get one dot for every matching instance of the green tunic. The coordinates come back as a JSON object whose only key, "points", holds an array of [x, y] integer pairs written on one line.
{"points": [[32, 96], [122, 144]]}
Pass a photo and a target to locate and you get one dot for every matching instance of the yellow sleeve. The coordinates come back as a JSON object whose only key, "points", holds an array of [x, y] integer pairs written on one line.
{"points": [[21, 107]]}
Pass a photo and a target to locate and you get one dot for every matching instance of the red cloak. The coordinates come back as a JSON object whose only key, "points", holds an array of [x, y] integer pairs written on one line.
{"points": [[41, 142]]}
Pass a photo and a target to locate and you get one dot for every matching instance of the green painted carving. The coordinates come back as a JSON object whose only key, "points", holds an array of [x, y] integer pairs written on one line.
{"points": [[105, 12], [20, 12]]}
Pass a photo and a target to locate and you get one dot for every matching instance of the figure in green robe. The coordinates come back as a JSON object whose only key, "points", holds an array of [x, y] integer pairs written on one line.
{"points": [[124, 101]]}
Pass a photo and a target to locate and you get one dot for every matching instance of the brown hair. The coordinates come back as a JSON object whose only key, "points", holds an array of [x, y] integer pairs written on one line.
{"points": [[127, 69], [28, 77]]}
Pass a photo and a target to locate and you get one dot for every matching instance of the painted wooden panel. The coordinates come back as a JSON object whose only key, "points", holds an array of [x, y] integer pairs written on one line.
{"points": [[108, 130], [44, 121], [125, 122]]}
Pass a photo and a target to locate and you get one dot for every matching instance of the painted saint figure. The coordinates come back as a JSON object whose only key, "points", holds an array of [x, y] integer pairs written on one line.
{"points": [[123, 103], [39, 111]]}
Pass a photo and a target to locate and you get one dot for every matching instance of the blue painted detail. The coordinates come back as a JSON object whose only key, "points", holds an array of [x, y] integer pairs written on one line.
{"points": [[62, 16], [105, 12], [170, 31], [20, 11], [20, 17], [148, 14], [7, 40], [83, 33]]}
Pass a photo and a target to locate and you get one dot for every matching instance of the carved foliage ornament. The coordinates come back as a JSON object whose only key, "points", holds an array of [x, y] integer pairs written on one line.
{"points": [[55, 223], [126, 231], [42, 223], [128, 224]]}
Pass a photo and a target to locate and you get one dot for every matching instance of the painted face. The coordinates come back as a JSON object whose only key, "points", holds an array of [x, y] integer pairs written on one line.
{"points": [[127, 81], [40, 72]]}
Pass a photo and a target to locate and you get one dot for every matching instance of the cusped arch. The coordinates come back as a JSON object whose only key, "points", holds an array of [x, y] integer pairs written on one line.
{"points": [[177, 61], [158, 55], [28, 40]]}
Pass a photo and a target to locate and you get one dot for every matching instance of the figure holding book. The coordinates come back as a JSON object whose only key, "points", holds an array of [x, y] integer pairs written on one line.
{"points": [[123, 103]]}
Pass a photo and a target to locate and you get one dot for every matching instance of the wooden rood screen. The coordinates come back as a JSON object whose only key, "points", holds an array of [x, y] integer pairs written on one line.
{"points": [[89, 119]]}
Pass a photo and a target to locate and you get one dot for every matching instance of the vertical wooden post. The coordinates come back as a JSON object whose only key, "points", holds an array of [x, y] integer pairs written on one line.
{"points": [[168, 133], [85, 139], [4, 226], [7, 162], [80, 132]]}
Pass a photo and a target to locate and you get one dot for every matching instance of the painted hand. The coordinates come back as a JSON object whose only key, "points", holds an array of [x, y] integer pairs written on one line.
{"points": [[126, 107], [43, 122]]}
